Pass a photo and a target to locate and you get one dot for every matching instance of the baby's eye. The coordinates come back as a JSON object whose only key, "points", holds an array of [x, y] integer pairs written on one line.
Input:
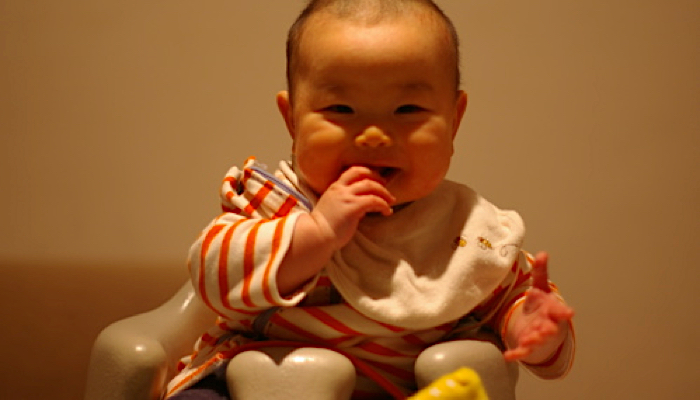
{"points": [[409, 109], [339, 109]]}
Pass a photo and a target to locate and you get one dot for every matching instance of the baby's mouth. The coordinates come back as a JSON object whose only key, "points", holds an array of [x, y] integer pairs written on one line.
{"points": [[386, 173]]}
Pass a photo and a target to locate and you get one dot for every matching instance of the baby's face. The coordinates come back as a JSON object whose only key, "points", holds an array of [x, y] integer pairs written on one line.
{"points": [[381, 96]]}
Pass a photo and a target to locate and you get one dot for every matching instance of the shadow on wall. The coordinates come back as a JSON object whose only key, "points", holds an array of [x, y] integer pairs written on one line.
{"points": [[57, 312]]}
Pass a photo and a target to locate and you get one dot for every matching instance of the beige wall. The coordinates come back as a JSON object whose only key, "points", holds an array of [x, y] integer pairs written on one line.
{"points": [[118, 119]]}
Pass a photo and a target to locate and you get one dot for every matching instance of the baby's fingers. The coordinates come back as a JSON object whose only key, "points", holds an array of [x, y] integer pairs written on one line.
{"points": [[375, 204], [530, 341], [517, 354], [561, 312], [540, 274], [368, 187]]}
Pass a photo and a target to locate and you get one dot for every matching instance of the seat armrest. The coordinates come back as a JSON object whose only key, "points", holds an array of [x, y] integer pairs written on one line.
{"points": [[133, 358]]}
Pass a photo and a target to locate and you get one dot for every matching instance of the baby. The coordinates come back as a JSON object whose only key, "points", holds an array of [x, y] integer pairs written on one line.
{"points": [[359, 247]]}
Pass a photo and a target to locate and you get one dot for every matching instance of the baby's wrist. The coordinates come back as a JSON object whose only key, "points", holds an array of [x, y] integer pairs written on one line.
{"points": [[333, 232], [323, 235]]}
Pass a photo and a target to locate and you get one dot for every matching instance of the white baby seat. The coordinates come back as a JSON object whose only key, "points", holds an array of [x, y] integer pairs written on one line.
{"points": [[133, 359]]}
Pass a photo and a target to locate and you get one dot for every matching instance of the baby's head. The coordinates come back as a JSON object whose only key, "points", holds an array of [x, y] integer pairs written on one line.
{"points": [[373, 12], [373, 83]]}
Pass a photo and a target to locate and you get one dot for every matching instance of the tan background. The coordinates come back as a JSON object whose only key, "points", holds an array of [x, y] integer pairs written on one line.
{"points": [[119, 118]]}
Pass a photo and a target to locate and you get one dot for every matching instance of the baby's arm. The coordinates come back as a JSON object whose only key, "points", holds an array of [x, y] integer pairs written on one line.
{"points": [[331, 224], [538, 325]]}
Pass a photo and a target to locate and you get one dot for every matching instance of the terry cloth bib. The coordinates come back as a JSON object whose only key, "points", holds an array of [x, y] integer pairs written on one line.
{"points": [[430, 263]]}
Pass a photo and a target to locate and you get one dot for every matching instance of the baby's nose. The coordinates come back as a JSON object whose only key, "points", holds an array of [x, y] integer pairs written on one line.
{"points": [[373, 137]]}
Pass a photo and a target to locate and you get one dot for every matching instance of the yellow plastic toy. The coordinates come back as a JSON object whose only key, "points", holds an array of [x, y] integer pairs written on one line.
{"points": [[462, 384]]}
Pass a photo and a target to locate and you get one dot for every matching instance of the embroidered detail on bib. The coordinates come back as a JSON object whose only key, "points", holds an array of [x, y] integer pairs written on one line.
{"points": [[459, 241], [484, 243]]}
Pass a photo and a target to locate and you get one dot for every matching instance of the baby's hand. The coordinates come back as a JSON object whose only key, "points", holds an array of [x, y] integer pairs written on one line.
{"points": [[541, 325], [357, 192]]}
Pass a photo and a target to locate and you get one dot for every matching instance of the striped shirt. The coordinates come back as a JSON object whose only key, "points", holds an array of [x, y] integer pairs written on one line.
{"points": [[234, 262]]}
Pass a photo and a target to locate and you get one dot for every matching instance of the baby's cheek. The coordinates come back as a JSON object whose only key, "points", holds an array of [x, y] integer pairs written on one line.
{"points": [[430, 147], [426, 139], [328, 139], [315, 176]]}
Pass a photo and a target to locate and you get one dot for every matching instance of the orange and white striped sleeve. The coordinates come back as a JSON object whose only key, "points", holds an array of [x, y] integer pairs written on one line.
{"points": [[234, 262]]}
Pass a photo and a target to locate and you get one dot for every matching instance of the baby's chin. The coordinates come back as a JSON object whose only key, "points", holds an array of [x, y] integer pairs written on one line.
{"points": [[407, 192]]}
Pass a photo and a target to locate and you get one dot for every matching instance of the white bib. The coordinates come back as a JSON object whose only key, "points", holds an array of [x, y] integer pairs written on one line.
{"points": [[429, 263]]}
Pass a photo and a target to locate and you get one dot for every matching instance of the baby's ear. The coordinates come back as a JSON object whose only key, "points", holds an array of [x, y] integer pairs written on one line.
{"points": [[460, 108], [285, 106]]}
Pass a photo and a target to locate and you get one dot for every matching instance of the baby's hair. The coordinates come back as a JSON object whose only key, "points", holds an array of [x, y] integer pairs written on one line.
{"points": [[371, 11]]}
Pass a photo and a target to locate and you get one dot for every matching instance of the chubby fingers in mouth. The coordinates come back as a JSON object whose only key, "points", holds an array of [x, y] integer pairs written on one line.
{"points": [[367, 181]]}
